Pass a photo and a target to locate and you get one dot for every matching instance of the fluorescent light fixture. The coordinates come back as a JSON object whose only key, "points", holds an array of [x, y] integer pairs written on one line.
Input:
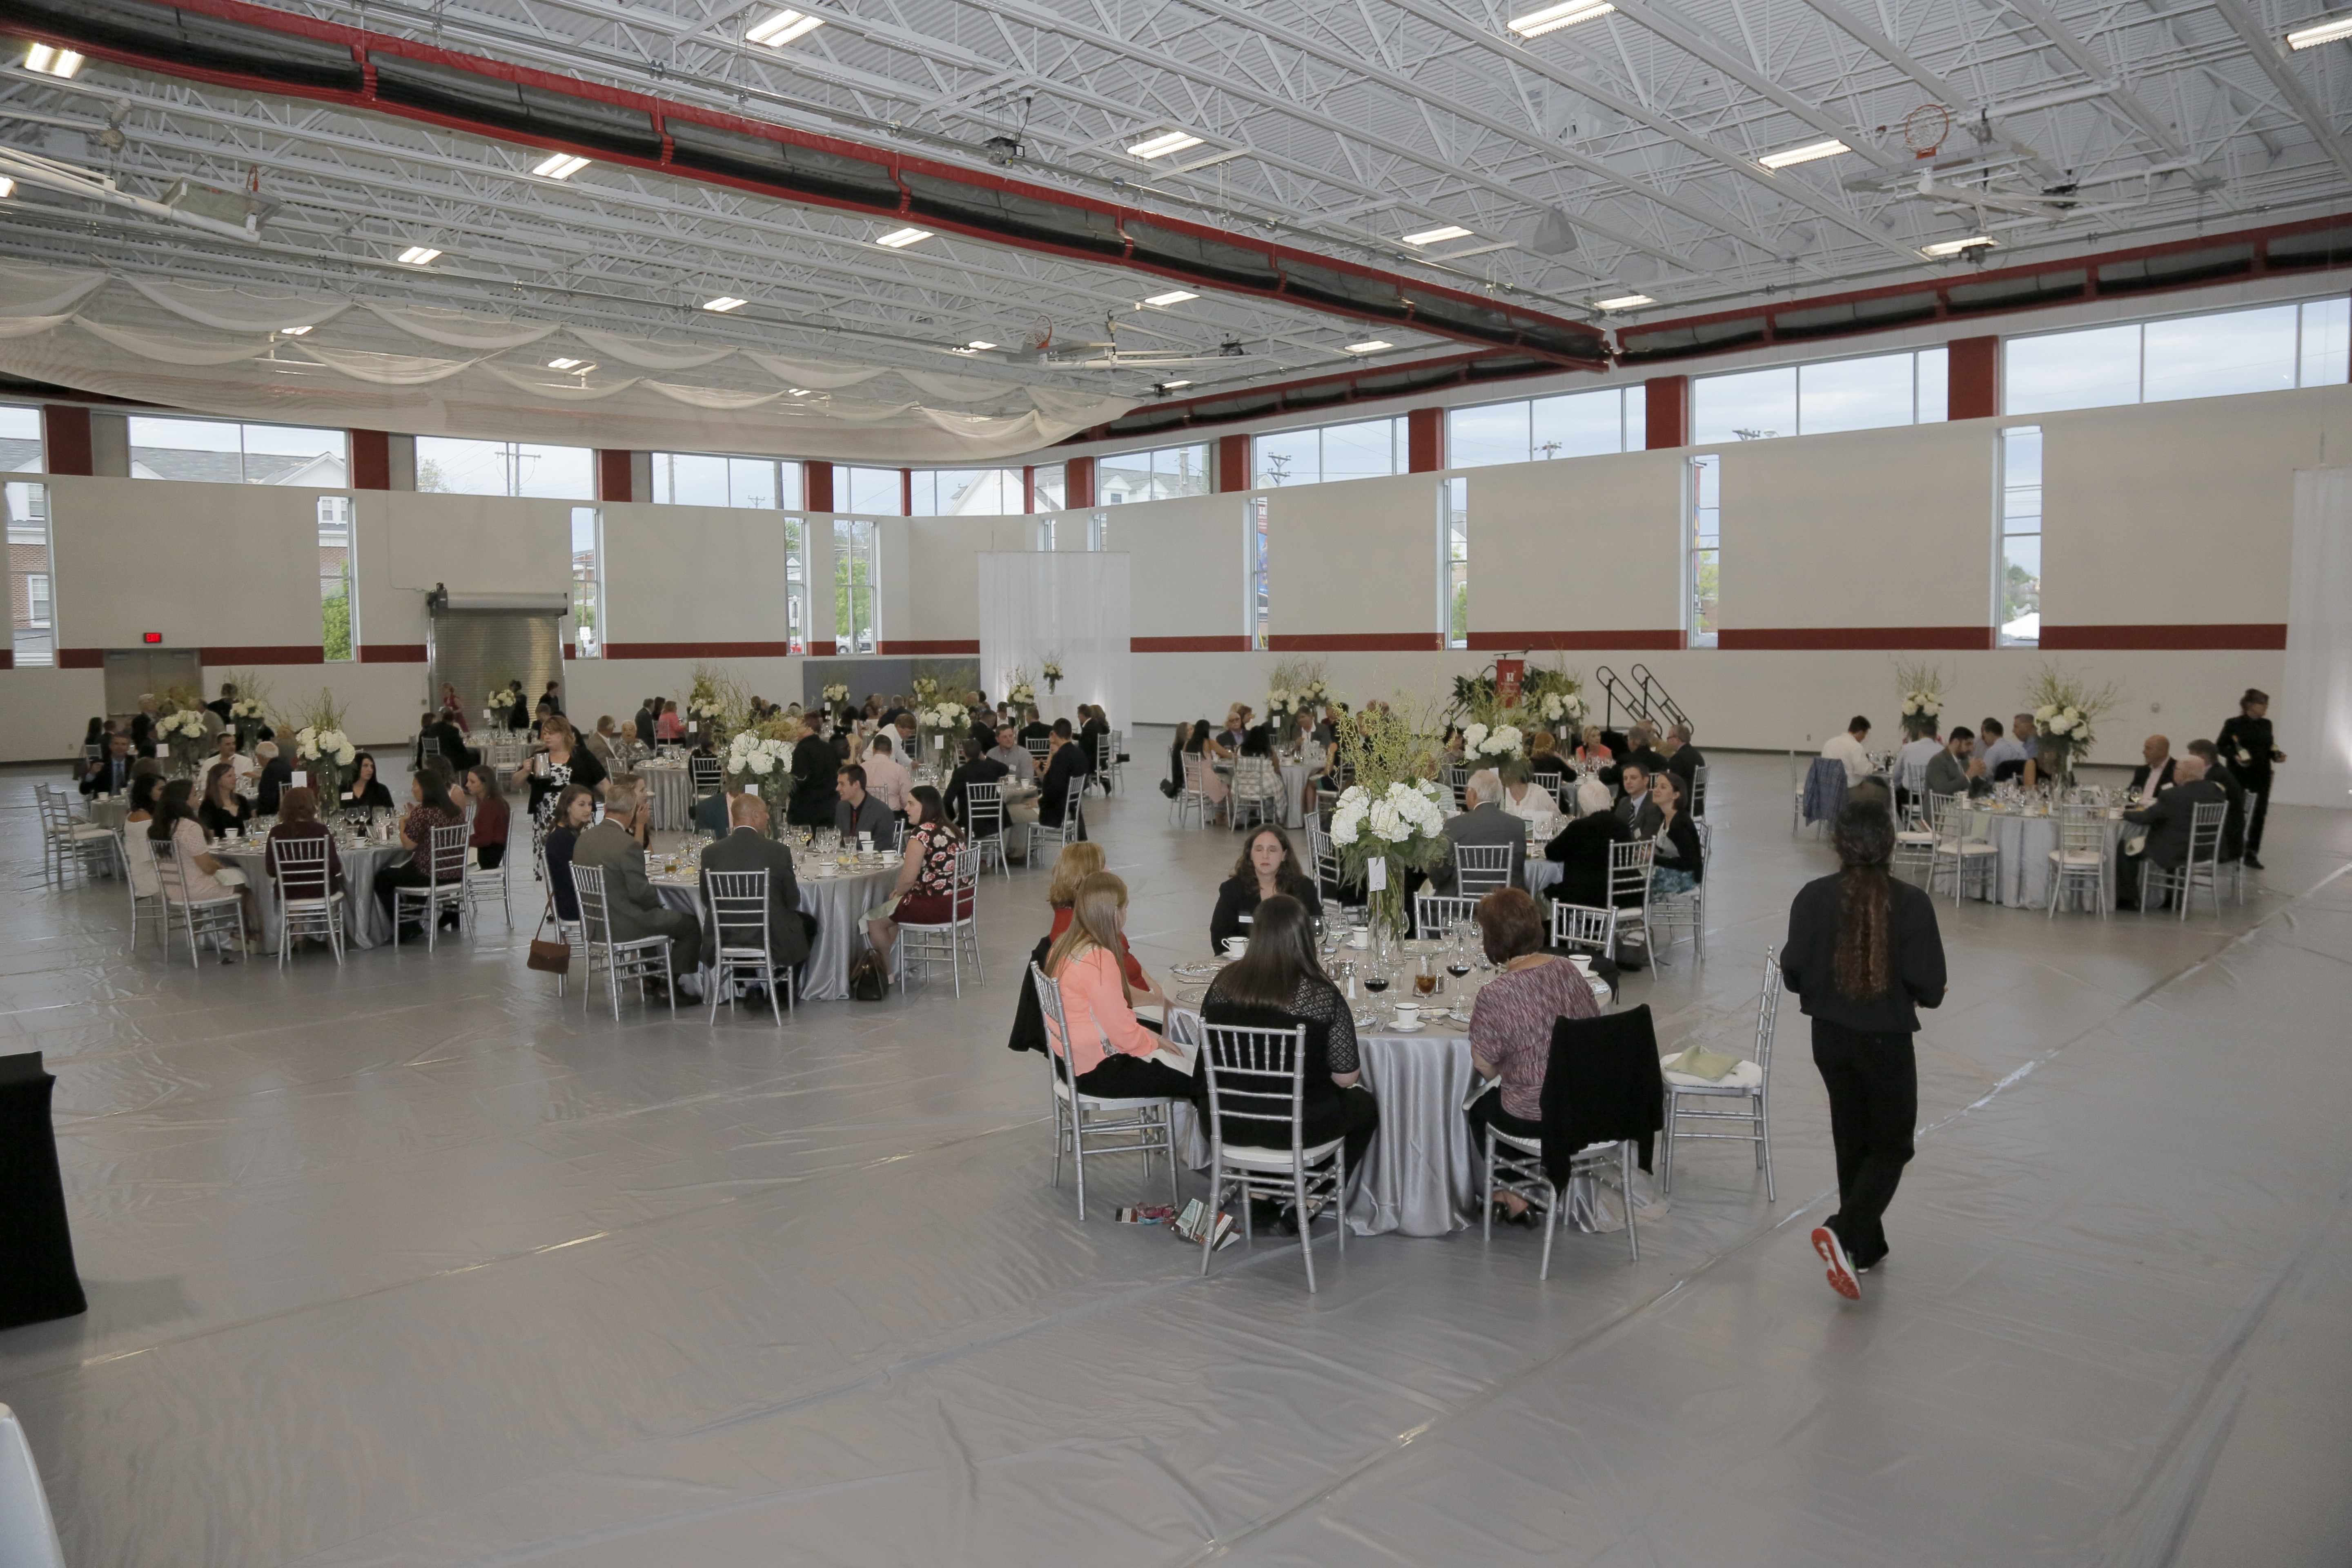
{"points": [[976, 344], [797, 391], [724, 303], [1954, 246], [2309, 37], [1373, 347], [292, 332], [1552, 19], [417, 255], [1807, 153], [1432, 235], [7, 186], [784, 28], [561, 364], [1623, 302], [1173, 385], [1173, 296], [899, 238], [560, 165], [1161, 145], [51, 60]]}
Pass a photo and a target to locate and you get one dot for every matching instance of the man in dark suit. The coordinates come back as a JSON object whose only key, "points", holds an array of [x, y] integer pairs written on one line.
{"points": [[108, 774], [2233, 826], [1636, 810], [1683, 761], [858, 811], [748, 848], [274, 777], [450, 741], [2168, 822], [617, 846], [644, 724], [1644, 751], [225, 702], [1485, 823], [2155, 774]]}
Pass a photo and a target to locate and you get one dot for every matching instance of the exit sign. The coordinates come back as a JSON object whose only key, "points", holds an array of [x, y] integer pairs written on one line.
{"points": [[153, 637]]}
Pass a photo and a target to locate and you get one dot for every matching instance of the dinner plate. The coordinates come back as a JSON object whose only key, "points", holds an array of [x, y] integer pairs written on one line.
{"points": [[1191, 996], [1199, 971]]}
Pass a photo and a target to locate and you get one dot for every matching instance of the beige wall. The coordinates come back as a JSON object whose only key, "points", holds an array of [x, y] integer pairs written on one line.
{"points": [[1353, 557], [1585, 544], [224, 564]]}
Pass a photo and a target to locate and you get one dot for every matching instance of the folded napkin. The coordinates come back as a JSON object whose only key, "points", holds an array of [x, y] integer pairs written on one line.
{"points": [[1700, 1062]]}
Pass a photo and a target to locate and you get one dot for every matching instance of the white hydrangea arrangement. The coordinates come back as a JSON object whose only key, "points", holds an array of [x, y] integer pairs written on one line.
{"points": [[1280, 704], [705, 709], [2067, 714], [188, 724], [1558, 708], [1406, 815], [836, 693], [2063, 722], [326, 754], [1021, 694], [1502, 743], [245, 708], [1314, 692], [1053, 673], [755, 756]]}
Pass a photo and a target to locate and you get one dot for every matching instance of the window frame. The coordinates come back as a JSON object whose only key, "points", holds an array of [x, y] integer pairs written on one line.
{"points": [[599, 629], [1453, 561], [349, 523], [2301, 359], [796, 582], [243, 453], [2002, 533], [846, 553], [1694, 505], [24, 637], [1257, 606]]}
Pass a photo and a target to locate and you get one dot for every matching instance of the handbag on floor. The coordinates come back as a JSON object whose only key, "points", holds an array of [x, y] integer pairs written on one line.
{"points": [[550, 957], [869, 977]]}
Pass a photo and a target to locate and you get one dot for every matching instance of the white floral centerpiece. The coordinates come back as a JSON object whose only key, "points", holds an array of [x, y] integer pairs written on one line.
{"points": [[943, 722], [1280, 704], [1314, 693], [1500, 743], [1052, 672], [1921, 688], [2067, 714], [761, 763], [1557, 708], [835, 692], [245, 708], [322, 750], [184, 731], [1389, 814], [1020, 693]]}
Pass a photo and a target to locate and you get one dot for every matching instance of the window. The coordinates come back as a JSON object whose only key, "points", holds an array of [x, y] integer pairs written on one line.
{"points": [[1705, 548], [1160, 475], [32, 573], [880, 493], [2268, 348], [1098, 531], [2017, 595], [1814, 399], [968, 492], [1048, 484], [699, 478], [1254, 625], [1577, 425], [336, 623], [20, 440], [1453, 561], [223, 452], [449, 466], [1044, 534], [588, 626], [1369, 448], [796, 592], [856, 579]]}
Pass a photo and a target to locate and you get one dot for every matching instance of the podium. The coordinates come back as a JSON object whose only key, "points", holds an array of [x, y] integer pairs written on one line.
{"points": [[38, 1281]]}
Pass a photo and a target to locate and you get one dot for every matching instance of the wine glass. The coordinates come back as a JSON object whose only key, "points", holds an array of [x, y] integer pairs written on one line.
{"points": [[1376, 978]]}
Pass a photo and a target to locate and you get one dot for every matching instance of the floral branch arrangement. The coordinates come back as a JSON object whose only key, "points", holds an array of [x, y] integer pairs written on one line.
{"points": [[836, 693], [717, 703], [1553, 698], [1020, 693], [1500, 743], [1052, 672], [2068, 712], [1921, 688], [321, 748], [1297, 684], [184, 731], [943, 722], [760, 759], [1393, 813]]}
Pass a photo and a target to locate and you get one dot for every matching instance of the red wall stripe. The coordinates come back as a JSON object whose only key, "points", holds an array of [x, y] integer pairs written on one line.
{"points": [[1357, 642], [822, 648], [371, 460], [1762, 637], [286, 653], [1188, 645], [82, 658], [1564, 642], [392, 653], [698, 650], [903, 648], [2256, 635]]}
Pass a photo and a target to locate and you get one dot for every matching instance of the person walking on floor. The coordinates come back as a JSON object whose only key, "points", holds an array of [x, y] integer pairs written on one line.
{"points": [[1863, 956]]}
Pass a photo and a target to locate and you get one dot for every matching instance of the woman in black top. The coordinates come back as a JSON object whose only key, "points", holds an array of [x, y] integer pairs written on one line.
{"points": [[2250, 751], [575, 807], [816, 769], [1277, 984], [1676, 864], [562, 760], [1066, 771], [1268, 866], [224, 809], [978, 767], [1863, 956], [1581, 852], [365, 791]]}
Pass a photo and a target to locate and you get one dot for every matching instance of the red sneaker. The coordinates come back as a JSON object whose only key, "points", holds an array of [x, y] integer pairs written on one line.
{"points": [[1832, 1252]]}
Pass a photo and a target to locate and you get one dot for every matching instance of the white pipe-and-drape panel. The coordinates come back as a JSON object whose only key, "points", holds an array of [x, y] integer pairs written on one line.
{"points": [[1067, 605], [2313, 715]]}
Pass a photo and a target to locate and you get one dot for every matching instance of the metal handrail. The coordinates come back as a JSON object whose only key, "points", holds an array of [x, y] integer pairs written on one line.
{"points": [[1645, 699]]}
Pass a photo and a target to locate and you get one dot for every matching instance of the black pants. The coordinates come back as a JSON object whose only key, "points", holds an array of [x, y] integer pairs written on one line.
{"points": [[2127, 879], [2259, 785], [1353, 1114], [392, 878], [1122, 1077], [488, 856], [1486, 1112], [1873, 1084]]}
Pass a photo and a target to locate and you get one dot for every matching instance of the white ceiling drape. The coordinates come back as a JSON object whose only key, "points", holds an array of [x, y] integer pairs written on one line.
{"points": [[336, 360]]}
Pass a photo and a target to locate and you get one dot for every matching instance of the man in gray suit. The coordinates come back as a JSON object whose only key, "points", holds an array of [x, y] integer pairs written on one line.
{"points": [[2168, 822], [748, 848], [635, 910], [1485, 823], [1637, 810]]}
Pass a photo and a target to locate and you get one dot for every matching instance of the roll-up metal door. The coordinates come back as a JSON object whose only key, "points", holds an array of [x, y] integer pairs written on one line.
{"points": [[480, 642]]}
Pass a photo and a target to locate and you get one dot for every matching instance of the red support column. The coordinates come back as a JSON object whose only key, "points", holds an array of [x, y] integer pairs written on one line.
{"points": [[1425, 440], [1973, 378], [371, 460], [1667, 412], [1079, 482], [906, 492], [1029, 489], [614, 481], [1233, 463], [65, 439], [816, 486]]}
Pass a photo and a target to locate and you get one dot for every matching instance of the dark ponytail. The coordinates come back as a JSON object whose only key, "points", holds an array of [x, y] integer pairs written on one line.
{"points": [[1863, 965]]}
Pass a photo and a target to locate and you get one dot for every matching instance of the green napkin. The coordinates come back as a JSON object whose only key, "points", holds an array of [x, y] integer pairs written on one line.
{"points": [[1700, 1062]]}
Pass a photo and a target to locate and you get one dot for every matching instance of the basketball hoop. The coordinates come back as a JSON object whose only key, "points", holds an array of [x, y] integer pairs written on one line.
{"points": [[1925, 128]]}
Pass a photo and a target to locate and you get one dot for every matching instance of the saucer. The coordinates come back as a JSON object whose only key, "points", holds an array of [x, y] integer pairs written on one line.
{"points": [[1414, 1029]]}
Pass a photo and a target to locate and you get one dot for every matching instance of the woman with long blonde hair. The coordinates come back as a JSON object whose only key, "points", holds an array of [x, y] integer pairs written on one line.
{"points": [[1071, 868], [1107, 1045]]}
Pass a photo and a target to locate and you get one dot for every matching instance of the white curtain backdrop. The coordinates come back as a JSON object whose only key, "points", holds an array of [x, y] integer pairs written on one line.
{"points": [[1070, 605], [2313, 713]]}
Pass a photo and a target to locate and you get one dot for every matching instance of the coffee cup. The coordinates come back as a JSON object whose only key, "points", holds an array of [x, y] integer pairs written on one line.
{"points": [[1235, 946], [1408, 1015], [1359, 937]]}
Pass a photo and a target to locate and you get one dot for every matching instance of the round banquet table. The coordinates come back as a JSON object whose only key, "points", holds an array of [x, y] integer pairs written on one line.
{"points": [[2024, 843], [672, 786], [364, 922], [839, 904], [1421, 1175]]}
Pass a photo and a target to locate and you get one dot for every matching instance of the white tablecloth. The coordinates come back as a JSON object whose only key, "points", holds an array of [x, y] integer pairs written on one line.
{"points": [[673, 793], [2022, 868], [839, 904], [364, 922], [108, 810]]}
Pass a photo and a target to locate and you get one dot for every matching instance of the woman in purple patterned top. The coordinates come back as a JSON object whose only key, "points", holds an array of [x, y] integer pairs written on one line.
{"points": [[1510, 1024]]}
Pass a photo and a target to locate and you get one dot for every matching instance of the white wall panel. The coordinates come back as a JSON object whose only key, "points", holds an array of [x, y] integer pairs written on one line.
{"points": [[1577, 544], [1353, 557]]}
